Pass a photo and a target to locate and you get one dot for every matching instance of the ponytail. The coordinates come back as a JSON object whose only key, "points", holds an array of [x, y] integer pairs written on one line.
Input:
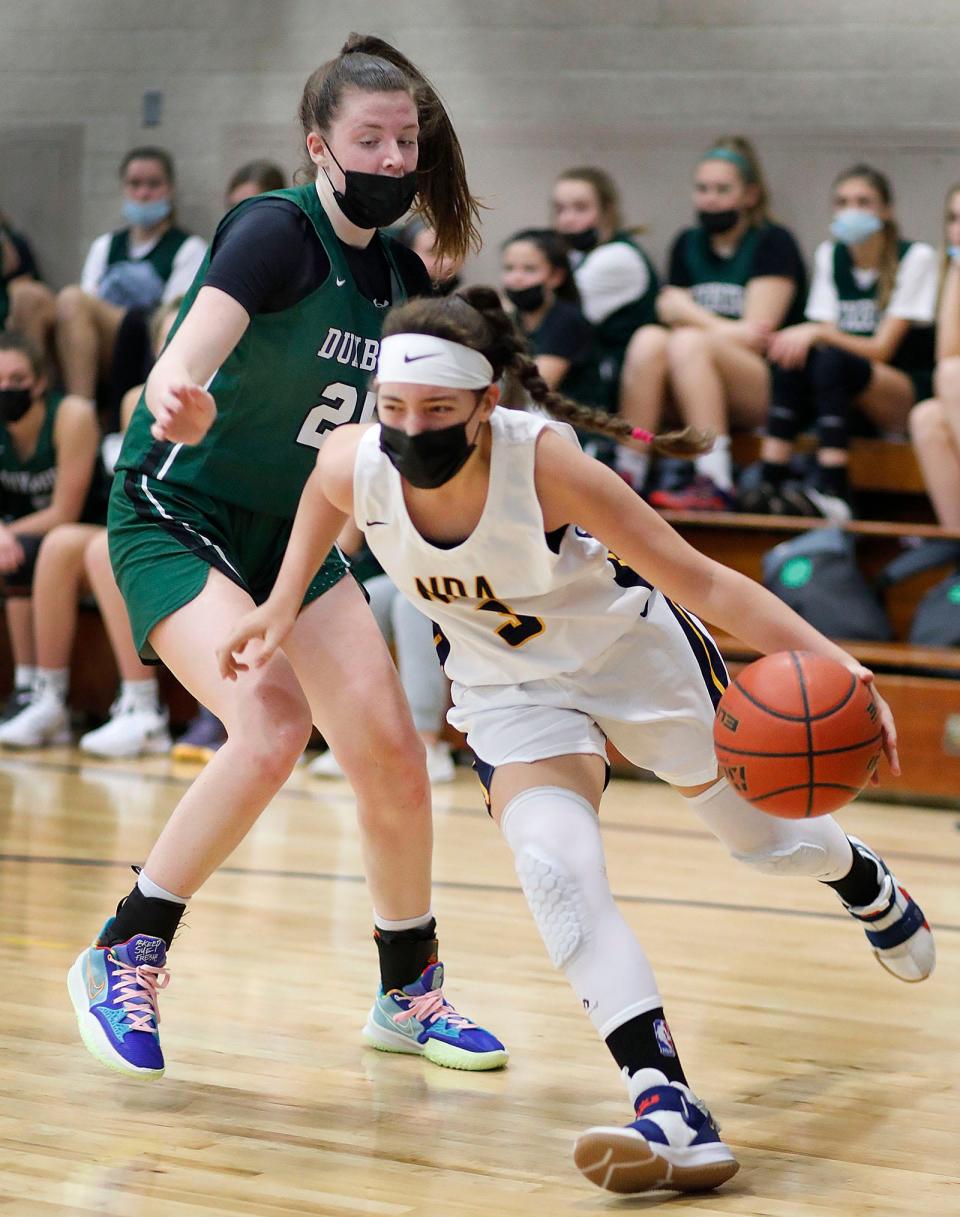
{"points": [[372, 65], [474, 317]]}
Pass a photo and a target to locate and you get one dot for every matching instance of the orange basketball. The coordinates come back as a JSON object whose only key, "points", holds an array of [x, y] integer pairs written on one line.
{"points": [[797, 735]]}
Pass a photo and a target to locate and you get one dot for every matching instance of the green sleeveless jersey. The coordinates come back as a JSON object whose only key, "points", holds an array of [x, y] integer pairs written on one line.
{"points": [[292, 378], [614, 332], [859, 313], [160, 257], [27, 486], [719, 284]]}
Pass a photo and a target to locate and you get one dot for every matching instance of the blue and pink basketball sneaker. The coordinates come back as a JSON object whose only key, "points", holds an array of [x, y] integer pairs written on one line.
{"points": [[114, 992], [418, 1019]]}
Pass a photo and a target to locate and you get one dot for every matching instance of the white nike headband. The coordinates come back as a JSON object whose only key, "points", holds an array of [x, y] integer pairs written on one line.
{"points": [[421, 359]]}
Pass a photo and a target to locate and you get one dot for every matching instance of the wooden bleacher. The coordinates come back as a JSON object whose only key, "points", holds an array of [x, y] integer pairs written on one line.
{"points": [[922, 684]]}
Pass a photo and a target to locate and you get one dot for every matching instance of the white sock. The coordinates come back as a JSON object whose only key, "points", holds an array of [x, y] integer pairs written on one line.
{"points": [[153, 891], [635, 464], [717, 464], [52, 682], [24, 675], [141, 694], [408, 923]]}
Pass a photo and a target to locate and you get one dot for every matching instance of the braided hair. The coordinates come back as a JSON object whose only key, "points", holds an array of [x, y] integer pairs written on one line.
{"points": [[475, 317]]}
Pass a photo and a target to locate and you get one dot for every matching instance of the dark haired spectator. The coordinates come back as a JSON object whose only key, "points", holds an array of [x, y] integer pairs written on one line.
{"points": [[48, 446], [253, 178], [444, 271], [537, 280], [27, 306], [615, 278], [129, 271], [935, 423], [864, 356], [73, 558], [735, 278]]}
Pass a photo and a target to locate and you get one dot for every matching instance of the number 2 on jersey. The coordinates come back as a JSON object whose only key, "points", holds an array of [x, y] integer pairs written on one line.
{"points": [[337, 405], [516, 630]]}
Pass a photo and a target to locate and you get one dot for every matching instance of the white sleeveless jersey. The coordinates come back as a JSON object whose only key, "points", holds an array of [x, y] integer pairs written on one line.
{"points": [[512, 604]]}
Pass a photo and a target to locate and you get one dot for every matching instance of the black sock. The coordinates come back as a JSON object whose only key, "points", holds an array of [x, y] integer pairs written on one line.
{"points": [[774, 473], [645, 1042], [405, 953], [832, 479], [140, 914], [861, 884]]}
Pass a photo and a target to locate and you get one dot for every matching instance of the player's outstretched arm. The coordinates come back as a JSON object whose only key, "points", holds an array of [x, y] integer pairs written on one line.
{"points": [[176, 395], [325, 505], [574, 489]]}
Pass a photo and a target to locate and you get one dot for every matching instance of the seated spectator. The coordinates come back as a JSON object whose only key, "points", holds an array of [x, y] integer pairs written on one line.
{"points": [[129, 271], [444, 272], [863, 358], [410, 634], [27, 306], [735, 278], [48, 446], [614, 276], [253, 178], [537, 280], [74, 559], [935, 423]]}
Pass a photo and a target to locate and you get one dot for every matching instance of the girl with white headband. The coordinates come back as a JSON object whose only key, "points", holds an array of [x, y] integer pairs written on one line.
{"points": [[557, 596], [273, 350]]}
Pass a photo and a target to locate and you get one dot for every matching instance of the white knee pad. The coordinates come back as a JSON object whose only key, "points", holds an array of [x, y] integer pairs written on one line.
{"points": [[555, 840], [815, 848]]}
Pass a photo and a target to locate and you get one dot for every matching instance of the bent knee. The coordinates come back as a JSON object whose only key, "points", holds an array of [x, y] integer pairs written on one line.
{"points": [[646, 343], [72, 300], [927, 421], [688, 341], [947, 377]]}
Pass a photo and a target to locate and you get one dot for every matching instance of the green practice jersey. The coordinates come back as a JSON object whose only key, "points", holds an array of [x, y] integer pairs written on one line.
{"points": [[293, 377]]}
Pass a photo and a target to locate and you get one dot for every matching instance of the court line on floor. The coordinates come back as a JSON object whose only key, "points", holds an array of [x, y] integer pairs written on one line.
{"points": [[93, 771], [457, 886]]}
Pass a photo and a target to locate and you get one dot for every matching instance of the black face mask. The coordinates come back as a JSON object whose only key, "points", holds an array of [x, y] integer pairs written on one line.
{"points": [[14, 403], [584, 241], [527, 299], [446, 287], [373, 200], [431, 458], [718, 222]]}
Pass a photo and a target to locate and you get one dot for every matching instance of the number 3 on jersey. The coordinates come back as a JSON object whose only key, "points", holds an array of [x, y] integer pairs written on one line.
{"points": [[337, 405], [516, 630]]}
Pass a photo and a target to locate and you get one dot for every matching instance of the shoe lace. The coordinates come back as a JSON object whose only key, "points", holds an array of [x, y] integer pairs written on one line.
{"points": [[432, 1005], [137, 992]]}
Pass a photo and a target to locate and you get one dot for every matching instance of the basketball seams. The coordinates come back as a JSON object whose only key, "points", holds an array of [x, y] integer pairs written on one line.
{"points": [[793, 755], [797, 718], [798, 668]]}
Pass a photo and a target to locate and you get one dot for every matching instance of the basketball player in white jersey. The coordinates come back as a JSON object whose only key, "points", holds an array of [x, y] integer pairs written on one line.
{"points": [[525, 553]]}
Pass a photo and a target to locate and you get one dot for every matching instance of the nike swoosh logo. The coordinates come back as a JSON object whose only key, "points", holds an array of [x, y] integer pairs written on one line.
{"points": [[94, 991], [372, 523], [340, 282], [414, 358]]}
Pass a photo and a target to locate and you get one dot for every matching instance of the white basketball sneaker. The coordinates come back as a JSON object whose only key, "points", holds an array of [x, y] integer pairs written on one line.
{"points": [[44, 721], [131, 730], [672, 1144]]}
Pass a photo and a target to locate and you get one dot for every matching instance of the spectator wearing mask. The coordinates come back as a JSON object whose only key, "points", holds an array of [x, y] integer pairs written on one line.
{"points": [[537, 280], [735, 278], [48, 446], [615, 278], [935, 423], [862, 358], [129, 271]]}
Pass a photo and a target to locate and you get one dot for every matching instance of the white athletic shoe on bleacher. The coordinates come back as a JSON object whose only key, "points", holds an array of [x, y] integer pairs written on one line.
{"points": [[130, 731], [42, 722]]}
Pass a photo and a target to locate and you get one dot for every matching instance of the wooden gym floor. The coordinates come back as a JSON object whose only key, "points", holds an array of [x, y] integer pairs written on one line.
{"points": [[836, 1085]]}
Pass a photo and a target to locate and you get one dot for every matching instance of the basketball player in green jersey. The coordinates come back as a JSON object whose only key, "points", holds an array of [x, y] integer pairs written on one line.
{"points": [[273, 349]]}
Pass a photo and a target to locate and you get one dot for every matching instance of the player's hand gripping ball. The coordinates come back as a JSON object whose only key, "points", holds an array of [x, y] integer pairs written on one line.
{"points": [[797, 734]]}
